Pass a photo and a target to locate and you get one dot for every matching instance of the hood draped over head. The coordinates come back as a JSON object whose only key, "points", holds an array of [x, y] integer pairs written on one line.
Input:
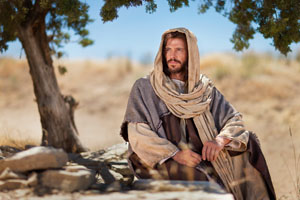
{"points": [[193, 104], [199, 88]]}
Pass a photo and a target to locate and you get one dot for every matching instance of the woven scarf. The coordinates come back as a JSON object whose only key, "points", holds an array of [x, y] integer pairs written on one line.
{"points": [[194, 104]]}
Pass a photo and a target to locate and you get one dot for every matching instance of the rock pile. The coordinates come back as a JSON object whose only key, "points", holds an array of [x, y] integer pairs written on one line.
{"points": [[55, 169], [43, 166], [102, 174], [110, 165]]}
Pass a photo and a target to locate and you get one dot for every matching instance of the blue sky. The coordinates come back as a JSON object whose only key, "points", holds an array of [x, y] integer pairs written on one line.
{"points": [[136, 33]]}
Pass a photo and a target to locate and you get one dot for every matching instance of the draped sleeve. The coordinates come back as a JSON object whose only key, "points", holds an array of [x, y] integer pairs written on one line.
{"points": [[228, 122]]}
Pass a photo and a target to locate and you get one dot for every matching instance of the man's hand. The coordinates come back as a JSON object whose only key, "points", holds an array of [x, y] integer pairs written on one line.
{"points": [[187, 157], [211, 149]]}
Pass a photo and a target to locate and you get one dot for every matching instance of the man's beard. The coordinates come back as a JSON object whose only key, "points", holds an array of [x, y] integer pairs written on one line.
{"points": [[181, 69]]}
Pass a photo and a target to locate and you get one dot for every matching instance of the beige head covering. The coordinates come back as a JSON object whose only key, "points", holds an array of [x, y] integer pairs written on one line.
{"points": [[197, 100], [194, 104], [193, 55]]}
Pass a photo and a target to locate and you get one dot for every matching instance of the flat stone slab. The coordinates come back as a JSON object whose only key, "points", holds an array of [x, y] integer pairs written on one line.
{"points": [[170, 185], [116, 152], [9, 174], [11, 184], [139, 195], [68, 181], [144, 195], [35, 158]]}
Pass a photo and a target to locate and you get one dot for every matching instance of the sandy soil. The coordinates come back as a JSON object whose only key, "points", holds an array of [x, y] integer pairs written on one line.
{"points": [[264, 89]]}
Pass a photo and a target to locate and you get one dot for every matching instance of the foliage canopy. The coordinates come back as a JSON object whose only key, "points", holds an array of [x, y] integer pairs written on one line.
{"points": [[275, 19], [59, 16]]}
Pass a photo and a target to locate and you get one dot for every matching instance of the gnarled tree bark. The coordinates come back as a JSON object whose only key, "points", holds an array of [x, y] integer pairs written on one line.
{"points": [[56, 115]]}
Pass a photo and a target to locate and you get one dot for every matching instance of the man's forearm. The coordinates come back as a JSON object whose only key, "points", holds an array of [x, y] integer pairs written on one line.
{"points": [[151, 148]]}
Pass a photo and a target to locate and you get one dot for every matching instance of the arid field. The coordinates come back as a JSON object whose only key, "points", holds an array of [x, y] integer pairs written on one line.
{"points": [[264, 88]]}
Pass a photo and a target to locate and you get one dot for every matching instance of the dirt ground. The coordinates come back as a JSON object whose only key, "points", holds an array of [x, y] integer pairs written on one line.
{"points": [[263, 88]]}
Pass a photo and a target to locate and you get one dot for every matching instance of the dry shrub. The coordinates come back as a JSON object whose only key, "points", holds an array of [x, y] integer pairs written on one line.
{"points": [[10, 66], [261, 90], [14, 138], [221, 73], [12, 74], [15, 81], [250, 62], [294, 170], [217, 60]]}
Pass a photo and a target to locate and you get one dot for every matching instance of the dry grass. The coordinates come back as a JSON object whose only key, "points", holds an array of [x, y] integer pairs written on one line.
{"points": [[15, 81], [14, 138], [294, 169], [265, 89]]}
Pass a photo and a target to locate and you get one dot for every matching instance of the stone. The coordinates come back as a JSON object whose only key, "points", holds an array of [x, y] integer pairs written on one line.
{"points": [[35, 158], [14, 183], [145, 195], [109, 176], [74, 168], [169, 189], [9, 174], [128, 180], [114, 187], [68, 181], [115, 152], [121, 167], [23, 192], [117, 176], [171, 185], [7, 151], [124, 180], [32, 180]]}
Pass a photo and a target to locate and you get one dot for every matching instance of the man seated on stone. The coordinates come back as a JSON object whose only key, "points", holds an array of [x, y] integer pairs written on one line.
{"points": [[180, 127]]}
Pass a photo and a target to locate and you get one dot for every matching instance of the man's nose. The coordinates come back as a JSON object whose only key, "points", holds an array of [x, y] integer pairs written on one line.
{"points": [[172, 54]]}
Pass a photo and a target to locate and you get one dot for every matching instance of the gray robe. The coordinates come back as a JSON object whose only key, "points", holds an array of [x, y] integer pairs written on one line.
{"points": [[144, 106]]}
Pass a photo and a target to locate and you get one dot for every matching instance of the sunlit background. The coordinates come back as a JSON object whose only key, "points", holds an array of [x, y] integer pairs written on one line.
{"points": [[262, 84]]}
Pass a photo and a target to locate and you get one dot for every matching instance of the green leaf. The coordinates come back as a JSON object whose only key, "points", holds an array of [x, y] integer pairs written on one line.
{"points": [[86, 42], [62, 69], [59, 54]]}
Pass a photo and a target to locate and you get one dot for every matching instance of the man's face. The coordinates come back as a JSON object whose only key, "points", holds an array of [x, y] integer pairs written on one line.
{"points": [[176, 55]]}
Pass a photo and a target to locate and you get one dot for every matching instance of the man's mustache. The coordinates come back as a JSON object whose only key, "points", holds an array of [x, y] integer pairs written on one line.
{"points": [[173, 59]]}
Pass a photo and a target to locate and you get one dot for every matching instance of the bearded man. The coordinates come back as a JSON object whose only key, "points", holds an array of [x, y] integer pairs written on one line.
{"points": [[180, 127]]}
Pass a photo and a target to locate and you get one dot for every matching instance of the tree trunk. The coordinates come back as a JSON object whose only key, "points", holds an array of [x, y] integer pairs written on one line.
{"points": [[56, 116]]}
